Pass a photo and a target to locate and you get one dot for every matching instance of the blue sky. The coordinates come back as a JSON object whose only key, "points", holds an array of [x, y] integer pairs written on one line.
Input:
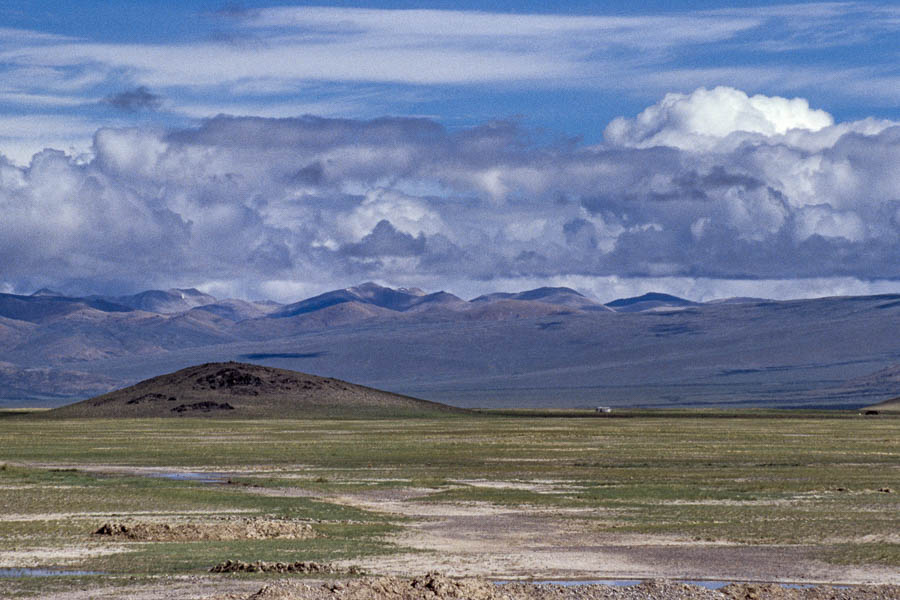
{"points": [[568, 72], [572, 88]]}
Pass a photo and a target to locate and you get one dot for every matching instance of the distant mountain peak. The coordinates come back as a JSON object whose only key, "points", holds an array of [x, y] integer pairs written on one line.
{"points": [[543, 292], [566, 290], [415, 291], [548, 295], [368, 293], [46, 292], [648, 301], [166, 301], [188, 292]]}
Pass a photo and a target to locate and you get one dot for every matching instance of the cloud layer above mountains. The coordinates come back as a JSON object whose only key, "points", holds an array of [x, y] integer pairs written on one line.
{"points": [[714, 186]]}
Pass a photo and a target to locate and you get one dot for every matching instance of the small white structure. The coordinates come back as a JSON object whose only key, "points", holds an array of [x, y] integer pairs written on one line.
{"points": [[604, 409]]}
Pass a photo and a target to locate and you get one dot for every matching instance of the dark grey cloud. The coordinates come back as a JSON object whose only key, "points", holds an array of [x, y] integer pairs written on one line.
{"points": [[385, 240], [311, 174], [580, 233], [257, 205], [310, 133], [134, 100]]}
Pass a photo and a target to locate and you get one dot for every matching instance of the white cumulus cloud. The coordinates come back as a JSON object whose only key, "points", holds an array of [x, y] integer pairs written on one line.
{"points": [[700, 120]]}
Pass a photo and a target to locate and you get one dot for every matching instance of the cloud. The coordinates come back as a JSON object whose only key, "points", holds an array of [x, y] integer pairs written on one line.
{"points": [[40, 100], [702, 119], [139, 98], [733, 189], [420, 24], [293, 45], [23, 136], [8, 35]]}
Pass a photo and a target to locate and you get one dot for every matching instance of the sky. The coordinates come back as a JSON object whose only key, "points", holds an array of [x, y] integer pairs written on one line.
{"points": [[280, 149]]}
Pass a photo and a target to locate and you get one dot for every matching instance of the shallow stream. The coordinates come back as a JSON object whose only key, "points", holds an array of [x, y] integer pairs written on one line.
{"points": [[709, 584], [188, 476], [16, 573]]}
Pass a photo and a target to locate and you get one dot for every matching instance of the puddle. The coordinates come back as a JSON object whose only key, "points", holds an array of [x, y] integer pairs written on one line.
{"points": [[708, 584], [570, 583], [13, 573], [613, 582], [573, 582], [187, 476]]}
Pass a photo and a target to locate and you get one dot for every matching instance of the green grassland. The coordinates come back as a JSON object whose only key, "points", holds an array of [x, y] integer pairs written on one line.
{"points": [[828, 479]]}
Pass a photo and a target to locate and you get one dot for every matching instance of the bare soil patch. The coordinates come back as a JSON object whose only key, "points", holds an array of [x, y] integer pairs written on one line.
{"points": [[469, 539], [58, 555], [434, 586]]}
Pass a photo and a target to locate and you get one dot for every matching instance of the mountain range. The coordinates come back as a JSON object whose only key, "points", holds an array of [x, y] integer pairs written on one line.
{"points": [[542, 347]]}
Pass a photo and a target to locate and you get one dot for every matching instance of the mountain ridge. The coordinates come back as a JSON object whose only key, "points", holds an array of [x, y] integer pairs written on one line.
{"points": [[548, 345], [176, 300], [399, 300]]}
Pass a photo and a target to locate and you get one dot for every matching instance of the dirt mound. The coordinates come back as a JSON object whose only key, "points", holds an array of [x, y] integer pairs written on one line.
{"points": [[432, 587], [241, 390], [303, 567], [225, 530], [435, 586], [772, 591]]}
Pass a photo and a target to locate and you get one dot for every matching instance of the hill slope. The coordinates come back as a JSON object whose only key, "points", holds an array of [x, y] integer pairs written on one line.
{"points": [[240, 390], [892, 405]]}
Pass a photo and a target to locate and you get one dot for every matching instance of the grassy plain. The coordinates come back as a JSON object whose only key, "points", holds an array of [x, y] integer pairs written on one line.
{"points": [[826, 479]]}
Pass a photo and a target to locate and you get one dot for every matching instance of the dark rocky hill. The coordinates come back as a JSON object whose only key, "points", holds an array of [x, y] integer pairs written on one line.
{"points": [[247, 391]]}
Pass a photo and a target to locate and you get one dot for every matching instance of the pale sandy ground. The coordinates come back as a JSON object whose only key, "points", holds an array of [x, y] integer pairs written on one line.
{"points": [[483, 540], [61, 556], [488, 541]]}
